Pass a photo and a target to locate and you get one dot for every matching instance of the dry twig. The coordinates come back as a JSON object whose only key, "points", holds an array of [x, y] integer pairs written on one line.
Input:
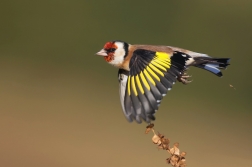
{"points": [[176, 158]]}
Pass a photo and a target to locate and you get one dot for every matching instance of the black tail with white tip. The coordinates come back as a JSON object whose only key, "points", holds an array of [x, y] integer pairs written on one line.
{"points": [[214, 65]]}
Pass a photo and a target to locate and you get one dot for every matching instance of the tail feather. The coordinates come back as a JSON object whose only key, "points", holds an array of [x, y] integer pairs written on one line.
{"points": [[211, 69], [212, 65], [222, 62]]}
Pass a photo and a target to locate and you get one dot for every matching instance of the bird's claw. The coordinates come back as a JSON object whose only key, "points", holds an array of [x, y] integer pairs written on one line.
{"points": [[184, 78], [185, 81]]}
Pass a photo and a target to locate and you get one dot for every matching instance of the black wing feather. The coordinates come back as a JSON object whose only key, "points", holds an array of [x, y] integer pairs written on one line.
{"points": [[143, 96]]}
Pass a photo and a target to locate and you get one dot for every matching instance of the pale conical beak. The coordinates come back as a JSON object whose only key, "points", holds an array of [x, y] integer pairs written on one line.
{"points": [[102, 53]]}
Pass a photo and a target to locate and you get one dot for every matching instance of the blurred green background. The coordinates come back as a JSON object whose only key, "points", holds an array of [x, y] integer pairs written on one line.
{"points": [[59, 103]]}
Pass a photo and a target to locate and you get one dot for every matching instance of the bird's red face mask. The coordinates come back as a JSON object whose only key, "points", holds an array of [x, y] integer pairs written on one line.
{"points": [[108, 51]]}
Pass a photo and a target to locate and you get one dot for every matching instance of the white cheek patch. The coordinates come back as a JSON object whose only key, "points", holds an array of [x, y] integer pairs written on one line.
{"points": [[119, 54], [116, 61]]}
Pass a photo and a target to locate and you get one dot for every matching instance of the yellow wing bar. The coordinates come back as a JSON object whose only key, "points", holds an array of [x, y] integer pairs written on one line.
{"points": [[160, 63]]}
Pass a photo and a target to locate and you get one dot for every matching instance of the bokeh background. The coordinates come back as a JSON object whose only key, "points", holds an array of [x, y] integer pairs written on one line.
{"points": [[59, 103]]}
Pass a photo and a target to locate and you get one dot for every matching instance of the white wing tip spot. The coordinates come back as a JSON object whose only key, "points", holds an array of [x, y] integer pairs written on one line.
{"points": [[163, 95], [169, 88]]}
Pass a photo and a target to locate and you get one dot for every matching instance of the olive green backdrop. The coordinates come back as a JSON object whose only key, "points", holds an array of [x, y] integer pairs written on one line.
{"points": [[59, 103]]}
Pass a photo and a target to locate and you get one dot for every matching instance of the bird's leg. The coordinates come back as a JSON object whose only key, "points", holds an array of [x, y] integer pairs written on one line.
{"points": [[184, 77]]}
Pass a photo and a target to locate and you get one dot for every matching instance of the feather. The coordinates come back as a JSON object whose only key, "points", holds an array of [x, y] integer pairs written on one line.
{"points": [[151, 75]]}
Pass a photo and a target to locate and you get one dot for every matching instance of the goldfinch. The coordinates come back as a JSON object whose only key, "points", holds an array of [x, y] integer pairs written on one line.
{"points": [[147, 72]]}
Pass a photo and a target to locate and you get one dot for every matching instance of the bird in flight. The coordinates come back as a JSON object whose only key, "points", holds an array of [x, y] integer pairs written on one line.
{"points": [[147, 72]]}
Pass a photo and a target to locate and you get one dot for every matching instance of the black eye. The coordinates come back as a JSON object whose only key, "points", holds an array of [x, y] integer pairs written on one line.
{"points": [[111, 50]]}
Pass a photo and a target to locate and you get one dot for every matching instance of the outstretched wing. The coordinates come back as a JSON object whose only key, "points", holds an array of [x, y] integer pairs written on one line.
{"points": [[151, 75]]}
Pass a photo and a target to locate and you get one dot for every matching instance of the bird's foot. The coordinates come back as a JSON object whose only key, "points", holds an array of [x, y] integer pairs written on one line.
{"points": [[184, 78]]}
